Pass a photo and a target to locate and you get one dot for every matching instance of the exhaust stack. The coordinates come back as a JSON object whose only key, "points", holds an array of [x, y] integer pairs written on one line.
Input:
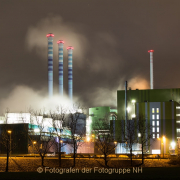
{"points": [[50, 63], [151, 69], [60, 55], [70, 72]]}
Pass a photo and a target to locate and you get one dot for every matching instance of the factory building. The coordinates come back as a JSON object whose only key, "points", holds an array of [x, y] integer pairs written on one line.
{"points": [[25, 128], [160, 108], [96, 114]]}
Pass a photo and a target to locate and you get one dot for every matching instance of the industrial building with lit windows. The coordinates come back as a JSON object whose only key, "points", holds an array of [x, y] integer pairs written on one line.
{"points": [[26, 128], [161, 109]]}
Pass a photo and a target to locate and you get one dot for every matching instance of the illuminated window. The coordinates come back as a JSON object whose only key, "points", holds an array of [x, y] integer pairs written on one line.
{"points": [[157, 116], [153, 135], [153, 123], [157, 123], [152, 110], [153, 129], [157, 135], [157, 110], [152, 116], [157, 129]]}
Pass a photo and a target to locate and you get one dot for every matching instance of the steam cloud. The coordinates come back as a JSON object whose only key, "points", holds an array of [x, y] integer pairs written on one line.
{"points": [[100, 61], [22, 98], [107, 97], [36, 37]]}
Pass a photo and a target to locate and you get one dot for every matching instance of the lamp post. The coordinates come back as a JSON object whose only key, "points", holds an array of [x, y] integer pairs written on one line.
{"points": [[173, 144], [164, 139], [9, 132], [160, 144], [115, 143], [34, 142], [61, 141], [88, 139], [93, 136]]}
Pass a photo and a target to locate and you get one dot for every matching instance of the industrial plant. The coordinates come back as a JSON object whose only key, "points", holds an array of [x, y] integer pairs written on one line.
{"points": [[159, 108]]}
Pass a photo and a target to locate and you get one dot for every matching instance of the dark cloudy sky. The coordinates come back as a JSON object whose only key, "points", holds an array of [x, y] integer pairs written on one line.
{"points": [[110, 38]]}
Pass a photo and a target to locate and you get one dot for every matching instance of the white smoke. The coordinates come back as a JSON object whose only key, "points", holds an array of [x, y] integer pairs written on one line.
{"points": [[100, 61], [22, 98], [69, 32], [138, 83], [108, 96]]}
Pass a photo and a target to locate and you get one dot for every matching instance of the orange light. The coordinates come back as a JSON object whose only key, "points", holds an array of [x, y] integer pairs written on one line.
{"points": [[164, 138], [9, 132], [88, 139]]}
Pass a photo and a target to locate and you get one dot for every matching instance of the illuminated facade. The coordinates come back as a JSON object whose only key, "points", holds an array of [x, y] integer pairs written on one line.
{"points": [[163, 118], [99, 113], [23, 126], [38, 127], [161, 109]]}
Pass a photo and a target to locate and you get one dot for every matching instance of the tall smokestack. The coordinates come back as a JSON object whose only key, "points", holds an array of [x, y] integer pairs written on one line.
{"points": [[126, 109], [70, 72], [60, 55], [151, 69], [126, 101], [50, 63]]}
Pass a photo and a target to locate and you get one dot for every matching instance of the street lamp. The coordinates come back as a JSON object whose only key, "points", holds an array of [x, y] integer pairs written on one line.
{"points": [[88, 139], [61, 141], [9, 132], [34, 142], [128, 109], [115, 142], [160, 145], [173, 144], [93, 136]]}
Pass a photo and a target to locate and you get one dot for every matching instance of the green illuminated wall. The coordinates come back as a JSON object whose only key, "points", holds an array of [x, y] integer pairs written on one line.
{"points": [[150, 95], [96, 114], [167, 121]]}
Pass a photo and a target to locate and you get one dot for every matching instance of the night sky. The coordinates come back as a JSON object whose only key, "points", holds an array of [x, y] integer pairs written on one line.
{"points": [[110, 39]]}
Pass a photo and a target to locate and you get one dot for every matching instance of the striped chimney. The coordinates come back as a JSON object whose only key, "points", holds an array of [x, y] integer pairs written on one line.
{"points": [[70, 72], [50, 63], [60, 55]]}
